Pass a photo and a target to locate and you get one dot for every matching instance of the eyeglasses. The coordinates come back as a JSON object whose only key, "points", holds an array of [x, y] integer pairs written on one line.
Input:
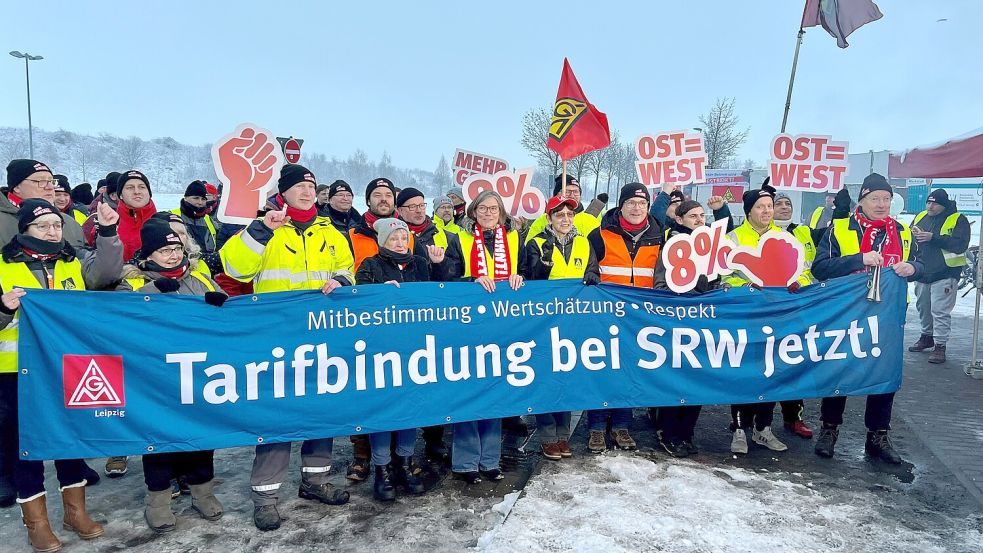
{"points": [[170, 250], [45, 227], [417, 207], [636, 204], [343, 195], [563, 215], [42, 184], [487, 209]]}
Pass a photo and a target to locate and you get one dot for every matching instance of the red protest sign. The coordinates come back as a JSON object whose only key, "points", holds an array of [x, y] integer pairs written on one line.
{"points": [[813, 163], [676, 157], [521, 198], [776, 261], [291, 148], [248, 163], [730, 193], [472, 163]]}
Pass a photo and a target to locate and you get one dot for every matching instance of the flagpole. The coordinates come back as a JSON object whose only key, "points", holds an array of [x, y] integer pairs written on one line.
{"points": [[795, 63], [563, 188]]}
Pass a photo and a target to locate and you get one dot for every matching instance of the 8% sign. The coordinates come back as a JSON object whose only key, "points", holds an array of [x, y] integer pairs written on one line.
{"points": [[521, 199]]}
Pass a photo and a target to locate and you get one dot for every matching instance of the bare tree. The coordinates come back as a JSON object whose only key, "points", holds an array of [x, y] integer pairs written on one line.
{"points": [[721, 134], [535, 130], [598, 161], [442, 176], [129, 153]]}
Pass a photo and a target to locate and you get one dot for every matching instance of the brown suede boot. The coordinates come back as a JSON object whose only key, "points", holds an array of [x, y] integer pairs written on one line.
{"points": [[938, 354], [42, 539], [76, 518]]}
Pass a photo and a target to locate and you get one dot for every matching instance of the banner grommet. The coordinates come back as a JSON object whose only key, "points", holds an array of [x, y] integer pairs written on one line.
{"points": [[23, 371], [24, 453], [836, 392], [761, 398], [146, 298], [605, 404], [255, 298], [682, 401], [259, 440], [358, 429], [448, 419], [150, 448], [528, 409], [354, 290]]}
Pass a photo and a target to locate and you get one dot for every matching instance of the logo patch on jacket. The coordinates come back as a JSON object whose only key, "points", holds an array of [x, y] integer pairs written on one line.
{"points": [[68, 283], [577, 262]]}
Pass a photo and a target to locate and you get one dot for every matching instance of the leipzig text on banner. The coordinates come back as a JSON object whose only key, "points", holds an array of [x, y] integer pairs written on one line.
{"points": [[676, 157], [806, 162], [521, 198], [296, 365], [248, 163], [472, 163]]}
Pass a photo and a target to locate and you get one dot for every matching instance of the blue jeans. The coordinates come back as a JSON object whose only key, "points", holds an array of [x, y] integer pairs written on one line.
{"points": [[554, 426], [598, 419], [477, 445], [381, 442]]}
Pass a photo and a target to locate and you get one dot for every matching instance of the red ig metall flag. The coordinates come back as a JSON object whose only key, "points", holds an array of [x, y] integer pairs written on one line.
{"points": [[577, 126]]}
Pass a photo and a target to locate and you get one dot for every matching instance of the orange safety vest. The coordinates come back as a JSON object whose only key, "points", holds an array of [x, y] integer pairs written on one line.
{"points": [[618, 267], [364, 246]]}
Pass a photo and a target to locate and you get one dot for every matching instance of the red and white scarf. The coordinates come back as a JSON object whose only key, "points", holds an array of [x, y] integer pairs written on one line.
{"points": [[500, 256], [891, 248]]}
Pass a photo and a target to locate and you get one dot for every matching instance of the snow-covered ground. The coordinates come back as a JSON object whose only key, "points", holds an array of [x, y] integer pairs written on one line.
{"points": [[618, 502]]}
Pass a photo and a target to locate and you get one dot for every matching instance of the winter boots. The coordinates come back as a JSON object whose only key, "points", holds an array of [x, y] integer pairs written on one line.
{"points": [[551, 451], [359, 470], [767, 438], [158, 512], [77, 519], [116, 467], [938, 354], [596, 443], [924, 342], [878, 446], [405, 475], [39, 532], [325, 493], [827, 440], [266, 517], [204, 501], [623, 440], [383, 488]]}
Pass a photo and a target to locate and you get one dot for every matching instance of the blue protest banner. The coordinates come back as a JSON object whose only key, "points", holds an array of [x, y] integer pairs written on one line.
{"points": [[170, 373]]}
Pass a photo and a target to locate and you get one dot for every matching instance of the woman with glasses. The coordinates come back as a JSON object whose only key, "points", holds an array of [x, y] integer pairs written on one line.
{"points": [[559, 252], [39, 257], [161, 266], [492, 255]]}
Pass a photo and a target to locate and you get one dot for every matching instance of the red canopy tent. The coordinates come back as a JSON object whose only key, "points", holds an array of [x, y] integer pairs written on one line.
{"points": [[957, 157]]}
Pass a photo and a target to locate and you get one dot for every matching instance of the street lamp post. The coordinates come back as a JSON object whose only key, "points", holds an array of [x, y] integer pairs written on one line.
{"points": [[27, 71]]}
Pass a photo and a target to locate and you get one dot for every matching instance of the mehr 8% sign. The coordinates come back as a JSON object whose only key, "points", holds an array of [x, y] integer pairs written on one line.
{"points": [[807, 162], [521, 199], [676, 157]]}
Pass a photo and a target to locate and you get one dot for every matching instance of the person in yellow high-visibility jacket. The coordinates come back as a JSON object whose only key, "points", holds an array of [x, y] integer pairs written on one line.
{"points": [[759, 211], [559, 252], [293, 249], [39, 257], [583, 221]]}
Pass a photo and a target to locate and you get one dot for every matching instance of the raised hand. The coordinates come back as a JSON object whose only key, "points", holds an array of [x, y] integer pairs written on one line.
{"points": [[715, 202], [436, 253], [276, 219], [106, 216]]}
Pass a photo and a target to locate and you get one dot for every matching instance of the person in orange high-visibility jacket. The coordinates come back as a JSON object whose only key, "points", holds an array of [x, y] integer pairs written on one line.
{"points": [[627, 248]]}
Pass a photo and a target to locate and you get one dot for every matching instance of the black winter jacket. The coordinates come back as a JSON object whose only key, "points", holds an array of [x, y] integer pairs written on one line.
{"points": [[381, 268]]}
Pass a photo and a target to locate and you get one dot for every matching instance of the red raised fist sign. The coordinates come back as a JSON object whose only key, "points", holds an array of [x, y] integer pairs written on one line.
{"points": [[247, 161]]}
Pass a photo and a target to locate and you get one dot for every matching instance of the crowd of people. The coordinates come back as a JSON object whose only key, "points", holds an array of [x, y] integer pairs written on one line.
{"points": [[310, 237]]}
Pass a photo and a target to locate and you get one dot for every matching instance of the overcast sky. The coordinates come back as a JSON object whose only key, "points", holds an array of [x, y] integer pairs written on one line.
{"points": [[421, 78]]}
